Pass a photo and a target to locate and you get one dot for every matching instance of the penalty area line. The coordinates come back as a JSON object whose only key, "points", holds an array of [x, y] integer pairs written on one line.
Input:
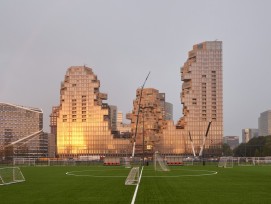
{"points": [[135, 193]]}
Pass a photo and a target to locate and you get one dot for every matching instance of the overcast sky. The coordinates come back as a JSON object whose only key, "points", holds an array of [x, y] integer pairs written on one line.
{"points": [[123, 40]]}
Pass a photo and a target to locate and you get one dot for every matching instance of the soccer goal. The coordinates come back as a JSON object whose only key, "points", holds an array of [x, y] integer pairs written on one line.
{"points": [[246, 161], [159, 163], [10, 175], [127, 162], [24, 161], [133, 177], [226, 162]]}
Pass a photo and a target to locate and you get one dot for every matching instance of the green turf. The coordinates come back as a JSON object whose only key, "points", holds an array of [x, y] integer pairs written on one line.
{"points": [[98, 184]]}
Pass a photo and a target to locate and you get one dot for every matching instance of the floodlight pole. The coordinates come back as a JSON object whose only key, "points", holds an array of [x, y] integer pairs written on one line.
{"points": [[133, 153]]}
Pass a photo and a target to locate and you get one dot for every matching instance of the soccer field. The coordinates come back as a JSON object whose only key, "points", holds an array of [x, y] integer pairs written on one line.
{"points": [[100, 184]]}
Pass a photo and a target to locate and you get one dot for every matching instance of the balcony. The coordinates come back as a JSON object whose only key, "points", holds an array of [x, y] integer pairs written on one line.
{"points": [[186, 85], [102, 96], [186, 77]]}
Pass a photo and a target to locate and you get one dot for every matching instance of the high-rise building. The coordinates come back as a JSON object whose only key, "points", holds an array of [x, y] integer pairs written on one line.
{"points": [[113, 117], [147, 119], [124, 129], [202, 95], [21, 133], [202, 99], [264, 123], [168, 111], [82, 119], [232, 141], [248, 134]]}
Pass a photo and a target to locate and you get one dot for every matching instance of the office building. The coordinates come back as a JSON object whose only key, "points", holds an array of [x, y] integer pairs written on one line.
{"points": [[248, 134], [202, 95], [113, 117], [83, 124], [264, 123], [202, 100], [232, 141], [147, 119], [168, 111], [21, 133]]}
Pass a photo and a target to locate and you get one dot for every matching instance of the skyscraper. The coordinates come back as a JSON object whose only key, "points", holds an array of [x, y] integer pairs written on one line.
{"points": [[248, 134], [202, 100], [147, 119], [264, 123], [83, 120], [202, 95]]}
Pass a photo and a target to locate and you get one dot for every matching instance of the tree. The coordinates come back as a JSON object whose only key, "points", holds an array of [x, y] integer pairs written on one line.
{"points": [[258, 146], [226, 150]]}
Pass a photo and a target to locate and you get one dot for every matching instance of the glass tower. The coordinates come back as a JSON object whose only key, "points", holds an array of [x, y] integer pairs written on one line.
{"points": [[202, 96], [82, 119]]}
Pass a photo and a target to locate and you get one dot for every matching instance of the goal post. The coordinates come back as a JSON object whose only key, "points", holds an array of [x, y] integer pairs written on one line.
{"points": [[226, 162], [159, 163], [133, 177], [10, 175], [24, 162]]}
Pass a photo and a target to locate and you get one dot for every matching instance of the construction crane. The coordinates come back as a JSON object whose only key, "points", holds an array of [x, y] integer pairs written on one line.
{"points": [[192, 145], [204, 139], [142, 87]]}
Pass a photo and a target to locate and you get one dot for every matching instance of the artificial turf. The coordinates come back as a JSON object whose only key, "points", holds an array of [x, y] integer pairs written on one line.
{"points": [[99, 184]]}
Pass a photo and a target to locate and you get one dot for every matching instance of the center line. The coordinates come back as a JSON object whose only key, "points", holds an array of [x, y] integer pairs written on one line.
{"points": [[134, 197]]}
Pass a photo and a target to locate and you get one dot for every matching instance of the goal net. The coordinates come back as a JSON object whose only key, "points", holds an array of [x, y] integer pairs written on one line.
{"points": [[133, 176], [226, 162], [127, 162], [24, 161], [9, 175], [159, 163], [246, 161]]}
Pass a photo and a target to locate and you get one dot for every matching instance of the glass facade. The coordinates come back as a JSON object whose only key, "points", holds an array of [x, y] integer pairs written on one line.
{"points": [[21, 132], [202, 100], [202, 96], [82, 120], [147, 128]]}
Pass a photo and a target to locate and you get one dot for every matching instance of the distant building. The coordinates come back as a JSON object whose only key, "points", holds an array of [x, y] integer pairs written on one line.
{"points": [[248, 134], [123, 128], [264, 123], [21, 133], [113, 117], [232, 141], [168, 111]]}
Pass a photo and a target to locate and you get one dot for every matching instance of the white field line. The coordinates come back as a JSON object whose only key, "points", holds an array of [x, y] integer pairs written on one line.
{"points": [[134, 197], [208, 173]]}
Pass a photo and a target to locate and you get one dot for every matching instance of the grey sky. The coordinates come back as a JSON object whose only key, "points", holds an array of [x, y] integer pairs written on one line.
{"points": [[123, 40]]}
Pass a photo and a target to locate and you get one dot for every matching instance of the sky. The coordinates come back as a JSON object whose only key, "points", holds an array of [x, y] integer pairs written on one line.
{"points": [[123, 40]]}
